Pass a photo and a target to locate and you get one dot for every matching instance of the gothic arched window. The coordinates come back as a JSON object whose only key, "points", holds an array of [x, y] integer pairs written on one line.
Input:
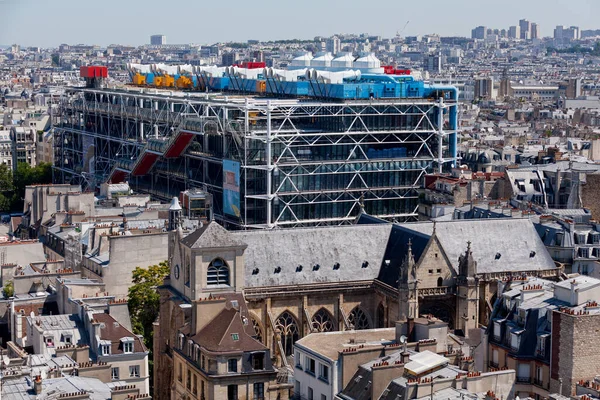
{"points": [[217, 273], [380, 316], [358, 319], [188, 271], [257, 329], [322, 321], [288, 328]]}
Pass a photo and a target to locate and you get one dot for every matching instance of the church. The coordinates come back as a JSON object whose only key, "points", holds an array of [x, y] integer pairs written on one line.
{"points": [[274, 287]]}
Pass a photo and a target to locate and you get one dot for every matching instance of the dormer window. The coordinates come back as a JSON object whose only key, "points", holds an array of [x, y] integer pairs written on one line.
{"points": [[105, 347], [127, 345], [49, 340], [217, 273], [67, 338]]}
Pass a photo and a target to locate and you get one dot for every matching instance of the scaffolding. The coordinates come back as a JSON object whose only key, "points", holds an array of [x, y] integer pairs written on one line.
{"points": [[267, 162]]}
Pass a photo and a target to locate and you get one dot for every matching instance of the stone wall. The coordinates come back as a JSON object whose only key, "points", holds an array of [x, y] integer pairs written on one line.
{"points": [[590, 193], [575, 350]]}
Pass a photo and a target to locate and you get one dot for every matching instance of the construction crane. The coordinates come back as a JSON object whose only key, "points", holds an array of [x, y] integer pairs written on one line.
{"points": [[400, 32]]}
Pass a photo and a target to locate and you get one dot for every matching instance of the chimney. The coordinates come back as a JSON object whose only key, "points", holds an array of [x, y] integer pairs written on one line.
{"points": [[37, 385]]}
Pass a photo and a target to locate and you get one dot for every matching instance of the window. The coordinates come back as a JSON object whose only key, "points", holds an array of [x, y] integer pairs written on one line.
{"points": [[202, 389], [515, 340], [298, 359], [523, 373], [180, 374], [232, 365], [134, 371], [439, 270], [114, 373], [68, 339], [235, 336], [259, 391], [286, 324], [105, 349], [324, 372], [195, 384], [127, 347], [232, 392], [309, 365], [218, 273], [322, 321], [310, 394], [49, 341], [323, 397], [541, 345], [258, 361], [202, 362], [358, 319], [188, 380]]}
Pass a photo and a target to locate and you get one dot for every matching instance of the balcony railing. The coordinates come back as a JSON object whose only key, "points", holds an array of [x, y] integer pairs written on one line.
{"points": [[538, 382], [523, 379]]}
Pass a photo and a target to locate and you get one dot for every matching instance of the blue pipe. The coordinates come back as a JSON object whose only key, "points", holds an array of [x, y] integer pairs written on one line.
{"points": [[453, 117]]}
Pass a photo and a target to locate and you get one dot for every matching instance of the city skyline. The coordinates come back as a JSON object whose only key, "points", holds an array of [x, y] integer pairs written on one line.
{"points": [[67, 22]]}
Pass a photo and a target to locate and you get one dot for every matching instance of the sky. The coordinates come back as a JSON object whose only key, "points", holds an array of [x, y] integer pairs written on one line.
{"points": [[48, 23]]}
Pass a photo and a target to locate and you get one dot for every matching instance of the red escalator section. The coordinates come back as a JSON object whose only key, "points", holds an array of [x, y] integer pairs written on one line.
{"points": [[117, 176], [145, 164], [179, 145]]}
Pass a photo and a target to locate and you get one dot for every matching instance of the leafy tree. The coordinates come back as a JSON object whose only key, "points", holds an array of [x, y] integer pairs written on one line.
{"points": [[6, 187], [144, 304], [27, 175], [144, 299], [55, 60], [8, 290]]}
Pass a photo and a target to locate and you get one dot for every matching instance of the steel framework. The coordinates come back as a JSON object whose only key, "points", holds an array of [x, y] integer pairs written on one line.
{"points": [[302, 162]]}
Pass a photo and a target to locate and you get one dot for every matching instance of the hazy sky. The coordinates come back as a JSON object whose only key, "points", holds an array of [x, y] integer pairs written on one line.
{"points": [[51, 22]]}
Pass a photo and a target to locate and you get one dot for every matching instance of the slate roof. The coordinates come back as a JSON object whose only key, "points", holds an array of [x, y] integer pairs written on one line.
{"points": [[514, 239], [358, 249], [211, 235]]}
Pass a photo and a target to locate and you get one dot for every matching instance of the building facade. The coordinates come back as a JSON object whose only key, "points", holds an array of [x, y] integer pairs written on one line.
{"points": [[277, 162]]}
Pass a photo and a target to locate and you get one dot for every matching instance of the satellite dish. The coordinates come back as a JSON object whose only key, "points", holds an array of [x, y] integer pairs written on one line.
{"points": [[402, 339]]}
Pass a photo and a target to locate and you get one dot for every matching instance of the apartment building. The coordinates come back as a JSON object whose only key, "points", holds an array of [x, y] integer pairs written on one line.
{"points": [[545, 331]]}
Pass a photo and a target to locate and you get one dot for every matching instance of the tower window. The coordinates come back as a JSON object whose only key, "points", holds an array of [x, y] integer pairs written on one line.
{"points": [[218, 273]]}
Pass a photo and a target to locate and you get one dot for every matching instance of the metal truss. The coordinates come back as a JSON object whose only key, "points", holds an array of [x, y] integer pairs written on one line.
{"points": [[302, 162]]}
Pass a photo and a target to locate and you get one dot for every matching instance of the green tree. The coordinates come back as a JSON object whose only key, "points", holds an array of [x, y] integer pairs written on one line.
{"points": [[27, 175], [9, 290], [144, 299], [7, 189]]}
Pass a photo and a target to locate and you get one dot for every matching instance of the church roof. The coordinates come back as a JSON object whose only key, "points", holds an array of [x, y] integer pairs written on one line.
{"points": [[211, 235], [499, 245], [325, 254]]}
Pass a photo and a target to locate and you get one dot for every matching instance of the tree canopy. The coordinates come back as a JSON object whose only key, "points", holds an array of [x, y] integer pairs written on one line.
{"points": [[12, 183], [144, 299]]}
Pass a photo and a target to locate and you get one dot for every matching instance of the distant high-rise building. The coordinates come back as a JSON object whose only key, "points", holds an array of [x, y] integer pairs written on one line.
{"points": [[158, 39], [503, 33], [479, 33], [525, 26], [535, 31], [514, 32], [229, 59], [333, 45], [563, 34], [433, 63]]}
